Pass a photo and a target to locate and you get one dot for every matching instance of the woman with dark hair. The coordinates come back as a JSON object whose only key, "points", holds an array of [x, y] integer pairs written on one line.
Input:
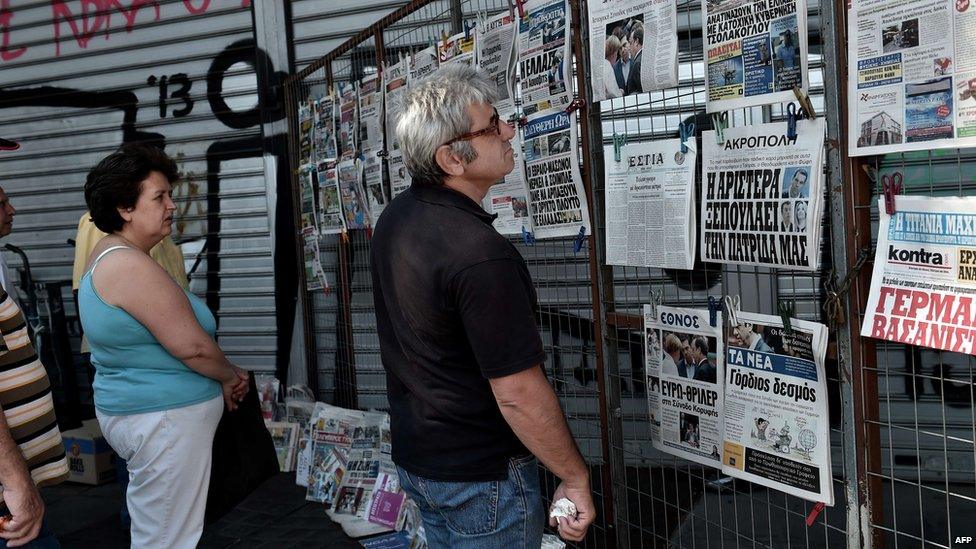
{"points": [[161, 381]]}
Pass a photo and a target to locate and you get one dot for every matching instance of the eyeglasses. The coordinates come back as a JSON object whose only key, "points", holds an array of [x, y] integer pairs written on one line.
{"points": [[493, 127]]}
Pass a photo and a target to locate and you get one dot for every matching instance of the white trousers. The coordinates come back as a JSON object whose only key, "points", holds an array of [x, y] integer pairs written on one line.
{"points": [[169, 455]]}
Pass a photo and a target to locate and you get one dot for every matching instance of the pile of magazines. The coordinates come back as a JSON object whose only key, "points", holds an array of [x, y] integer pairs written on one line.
{"points": [[342, 457]]}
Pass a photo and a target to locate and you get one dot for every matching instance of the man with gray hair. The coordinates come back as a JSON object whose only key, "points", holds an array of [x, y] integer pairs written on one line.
{"points": [[470, 404]]}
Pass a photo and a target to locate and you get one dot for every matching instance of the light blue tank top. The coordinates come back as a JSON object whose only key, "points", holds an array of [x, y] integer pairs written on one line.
{"points": [[134, 373]]}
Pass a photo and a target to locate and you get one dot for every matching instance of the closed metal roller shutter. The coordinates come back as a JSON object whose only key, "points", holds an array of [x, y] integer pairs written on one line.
{"points": [[179, 73]]}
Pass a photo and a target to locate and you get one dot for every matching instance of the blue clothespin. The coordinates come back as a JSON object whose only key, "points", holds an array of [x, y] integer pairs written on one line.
{"points": [[580, 238], [720, 121], [791, 118], [686, 131], [527, 237], [785, 310], [712, 311], [467, 30], [618, 143]]}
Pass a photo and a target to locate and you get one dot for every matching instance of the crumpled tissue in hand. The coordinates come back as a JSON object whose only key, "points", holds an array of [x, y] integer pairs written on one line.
{"points": [[563, 508]]}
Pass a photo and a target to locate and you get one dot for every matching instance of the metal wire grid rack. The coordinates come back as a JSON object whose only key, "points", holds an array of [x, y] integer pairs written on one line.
{"points": [[914, 407], [896, 420]]}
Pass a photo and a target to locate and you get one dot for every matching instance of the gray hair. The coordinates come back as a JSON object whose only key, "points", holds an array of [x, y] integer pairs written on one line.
{"points": [[436, 111]]}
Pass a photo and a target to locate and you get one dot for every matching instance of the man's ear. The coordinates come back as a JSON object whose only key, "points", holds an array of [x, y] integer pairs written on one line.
{"points": [[449, 161]]}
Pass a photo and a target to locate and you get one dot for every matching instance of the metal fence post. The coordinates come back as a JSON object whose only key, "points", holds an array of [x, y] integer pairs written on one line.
{"points": [[608, 377], [859, 390]]}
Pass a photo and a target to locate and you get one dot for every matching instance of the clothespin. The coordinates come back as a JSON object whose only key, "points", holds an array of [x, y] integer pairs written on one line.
{"points": [[527, 237], [618, 144], [431, 43], [803, 98], [656, 299], [520, 5], [467, 30], [382, 153], [814, 513], [712, 311], [721, 122], [785, 310], [791, 117], [573, 106], [686, 131], [732, 308], [345, 236], [580, 238], [892, 187], [445, 37]]}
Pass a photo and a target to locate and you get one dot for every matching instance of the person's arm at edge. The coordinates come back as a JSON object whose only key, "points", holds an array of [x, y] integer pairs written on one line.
{"points": [[530, 407], [19, 493]]}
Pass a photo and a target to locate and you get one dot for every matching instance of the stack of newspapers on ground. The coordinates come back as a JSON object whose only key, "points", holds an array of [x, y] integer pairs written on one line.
{"points": [[342, 457]]}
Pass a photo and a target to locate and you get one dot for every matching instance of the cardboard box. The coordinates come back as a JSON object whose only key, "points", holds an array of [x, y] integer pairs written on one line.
{"points": [[90, 459]]}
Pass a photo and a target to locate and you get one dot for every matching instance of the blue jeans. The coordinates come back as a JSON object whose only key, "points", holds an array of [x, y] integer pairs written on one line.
{"points": [[475, 515], [45, 540]]}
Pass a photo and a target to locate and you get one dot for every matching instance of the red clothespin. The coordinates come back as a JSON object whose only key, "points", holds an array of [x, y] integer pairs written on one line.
{"points": [[369, 233], [574, 105], [520, 5], [345, 237], [522, 121], [814, 513], [892, 187]]}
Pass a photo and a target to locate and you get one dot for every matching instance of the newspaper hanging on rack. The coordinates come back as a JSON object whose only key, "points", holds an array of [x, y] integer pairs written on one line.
{"points": [[777, 429], [307, 214], [557, 199], [650, 196], [351, 193], [395, 83], [495, 46], [348, 119], [456, 49], [323, 129], [545, 61], [371, 143], [762, 195], [684, 394], [331, 220], [924, 280], [305, 123], [508, 199], [912, 78], [755, 51], [422, 64], [626, 62]]}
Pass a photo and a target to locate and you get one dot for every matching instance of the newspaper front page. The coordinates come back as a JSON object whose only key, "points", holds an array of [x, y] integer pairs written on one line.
{"points": [[331, 220], [924, 279], [495, 47], [508, 199], [348, 119], [305, 122], [912, 78], [399, 175], [684, 365], [621, 63], [762, 195], [307, 214], [557, 199], [351, 193], [650, 196], [395, 86], [323, 129], [755, 51], [545, 62], [423, 64], [371, 113], [456, 49], [777, 429]]}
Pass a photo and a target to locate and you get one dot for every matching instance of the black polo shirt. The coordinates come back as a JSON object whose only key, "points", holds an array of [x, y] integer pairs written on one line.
{"points": [[455, 307]]}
